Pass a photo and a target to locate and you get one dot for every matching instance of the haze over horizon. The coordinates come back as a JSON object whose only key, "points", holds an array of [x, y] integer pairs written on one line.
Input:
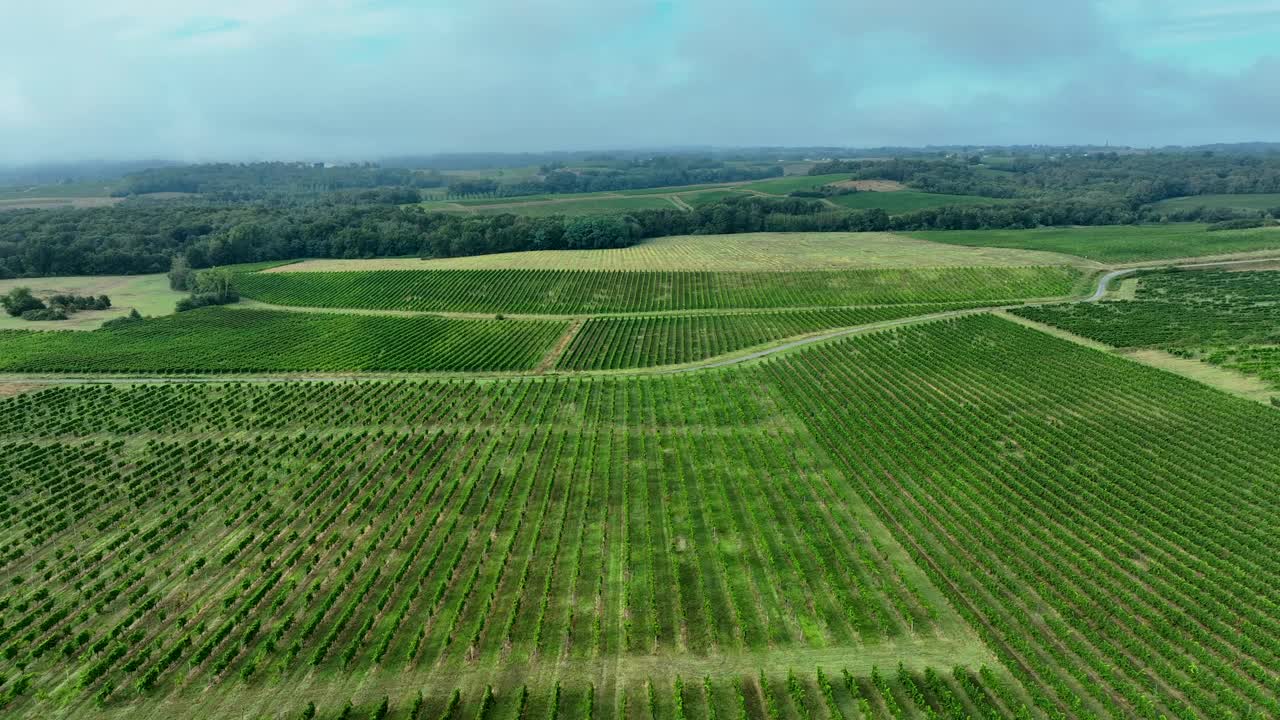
{"points": [[285, 79]]}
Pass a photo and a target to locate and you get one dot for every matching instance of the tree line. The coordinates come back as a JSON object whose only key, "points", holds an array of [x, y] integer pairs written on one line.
{"points": [[1132, 180], [144, 238]]}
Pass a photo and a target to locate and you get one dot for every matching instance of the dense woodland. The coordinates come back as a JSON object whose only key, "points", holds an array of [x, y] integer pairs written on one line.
{"points": [[1132, 179], [339, 219]]}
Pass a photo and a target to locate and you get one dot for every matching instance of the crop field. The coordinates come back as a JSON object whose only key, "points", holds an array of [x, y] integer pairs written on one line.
{"points": [[1260, 201], [1107, 528], [904, 201], [737, 252], [1225, 318], [622, 537], [612, 343], [226, 340], [1118, 243], [586, 206], [566, 292]]}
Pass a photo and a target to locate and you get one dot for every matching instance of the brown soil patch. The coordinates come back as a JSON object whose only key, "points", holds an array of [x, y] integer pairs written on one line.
{"points": [[872, 185], [11, 389]]}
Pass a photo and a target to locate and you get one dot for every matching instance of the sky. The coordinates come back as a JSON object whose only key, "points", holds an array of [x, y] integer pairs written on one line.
{"points": [[358, 79]]}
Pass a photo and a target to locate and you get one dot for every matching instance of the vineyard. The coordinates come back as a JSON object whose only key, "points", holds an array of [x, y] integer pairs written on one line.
{"points": [[611, 343], [1130, 243], [224, 340], [1226, 318], [1107, 528], [568, 292], [159, 540]]}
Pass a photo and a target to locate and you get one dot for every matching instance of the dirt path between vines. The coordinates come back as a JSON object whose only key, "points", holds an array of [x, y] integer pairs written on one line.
{"points": [[553, 355]]}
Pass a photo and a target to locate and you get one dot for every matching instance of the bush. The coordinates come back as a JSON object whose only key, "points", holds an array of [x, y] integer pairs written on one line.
{"points": [[199, 300], [20, 300], [133, 317], [53, 313], [1241, 224]]}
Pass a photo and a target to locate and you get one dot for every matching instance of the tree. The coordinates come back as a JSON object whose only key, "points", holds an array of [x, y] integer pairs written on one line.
{"points": [[179, 273], [20, 300], [217, 282], [309, 711]]}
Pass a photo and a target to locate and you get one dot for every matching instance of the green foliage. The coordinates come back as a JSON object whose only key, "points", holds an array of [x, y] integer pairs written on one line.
{"points": [[1118, 244], [19, 300], [227, 340], [610, 343], [572, 291], [1226, 318], [1029, 473]]}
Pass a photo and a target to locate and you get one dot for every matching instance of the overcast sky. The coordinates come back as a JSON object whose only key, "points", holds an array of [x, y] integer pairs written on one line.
{"points": [[351, 79]]}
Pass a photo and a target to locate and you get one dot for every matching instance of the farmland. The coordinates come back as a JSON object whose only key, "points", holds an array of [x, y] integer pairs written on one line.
{"points": [[1077, 508], [224, 340], [1265, 202], [1119, 244], [408, 551], [1224, 318], [611, 343], [148, 294], [739, 252], [894, 201], [907, 200], [567, 292]]}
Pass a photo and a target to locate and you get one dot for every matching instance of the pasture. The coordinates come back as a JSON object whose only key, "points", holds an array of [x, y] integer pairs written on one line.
{"points": [[148, 294]]}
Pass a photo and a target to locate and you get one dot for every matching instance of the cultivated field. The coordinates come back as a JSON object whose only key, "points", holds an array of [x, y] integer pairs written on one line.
{"points": [[568, 292], [227, 340], [606, 537], [906, 201], [1118, 243], [1225, 318], [640, 497], [739, 252], [1260, 201]]}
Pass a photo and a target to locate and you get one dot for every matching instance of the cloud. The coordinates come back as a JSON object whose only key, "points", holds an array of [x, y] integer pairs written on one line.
{"points": [[335, 79]]}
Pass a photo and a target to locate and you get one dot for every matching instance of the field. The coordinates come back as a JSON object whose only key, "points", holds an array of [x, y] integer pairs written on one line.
{"points": [[1225, 318], [148, 294], [1261, 201], [702, 545], [738, 252], [741, 477], [230, 340], [1118, 243], [905, 201], [895, 200], [1077, 508], [611, 343], [683, 527], [567, 292]]}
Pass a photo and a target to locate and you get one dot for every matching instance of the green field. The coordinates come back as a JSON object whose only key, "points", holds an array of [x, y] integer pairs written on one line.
{"points": [[612, 343], [1225, 318], [1260, 201], [148, 294], [615, 536], [701, 545], [904, 201], [741, 251], [227, 340], [1118, 243], [566, 292], [1077, 508], [586, 206]]}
